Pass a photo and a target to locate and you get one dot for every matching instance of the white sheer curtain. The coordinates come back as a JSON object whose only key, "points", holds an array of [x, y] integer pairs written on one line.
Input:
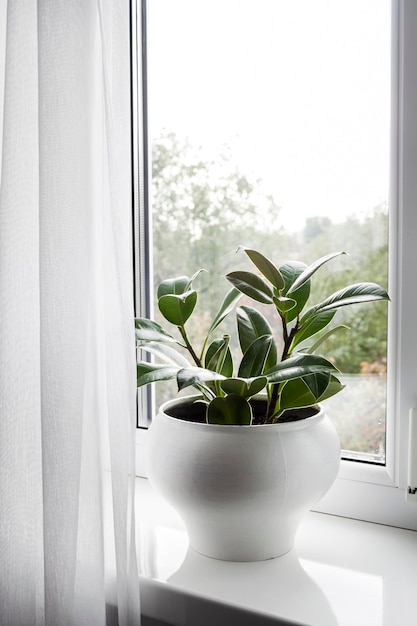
{"points": [[67, 362]]}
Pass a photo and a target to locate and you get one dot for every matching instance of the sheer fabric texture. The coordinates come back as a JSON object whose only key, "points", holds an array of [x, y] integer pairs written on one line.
{"points": [[67, 369]]}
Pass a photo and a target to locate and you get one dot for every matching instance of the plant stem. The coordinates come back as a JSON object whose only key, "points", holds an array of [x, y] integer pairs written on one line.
{"points": [[288, 337], [272, 403], [189, 346]]}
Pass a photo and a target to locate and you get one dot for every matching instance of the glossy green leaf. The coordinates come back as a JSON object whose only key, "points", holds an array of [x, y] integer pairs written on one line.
{"points": [[151, 373], [332, 388], [284, 304], [296, 394], [353, 294], [177, 286], [227, 367], [189, 376], [301, 297], [255, 358], [245, 387], [218, 357], [227, 306], [251, 285], [166, 353], [309, 390], [291, 373], [311, 269], [266, 267], [298, 366], [317, 383], [302, 358], [178, 308], [147, 330], [312, 326], [233, 410], [173, 286], [251, 324], [290, 271]]}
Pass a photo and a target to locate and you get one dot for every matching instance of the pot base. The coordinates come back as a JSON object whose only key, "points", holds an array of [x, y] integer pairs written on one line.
{"points": [[244, 549]]}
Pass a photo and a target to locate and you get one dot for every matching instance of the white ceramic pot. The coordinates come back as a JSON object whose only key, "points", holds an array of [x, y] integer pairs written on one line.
{"points": [[241, 490]]}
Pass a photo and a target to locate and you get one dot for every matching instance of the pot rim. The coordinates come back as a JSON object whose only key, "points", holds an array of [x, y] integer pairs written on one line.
{"points": [[293, 425]]}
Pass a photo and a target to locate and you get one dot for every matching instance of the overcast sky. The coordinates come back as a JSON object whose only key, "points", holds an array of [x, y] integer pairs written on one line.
{"points": [[299, 91]]}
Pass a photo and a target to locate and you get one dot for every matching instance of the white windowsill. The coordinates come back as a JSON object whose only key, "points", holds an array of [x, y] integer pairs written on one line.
{"points": [[342, 572]]}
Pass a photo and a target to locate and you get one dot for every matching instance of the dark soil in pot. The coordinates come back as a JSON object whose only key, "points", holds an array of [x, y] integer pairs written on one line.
{"points": [[196, 412]]}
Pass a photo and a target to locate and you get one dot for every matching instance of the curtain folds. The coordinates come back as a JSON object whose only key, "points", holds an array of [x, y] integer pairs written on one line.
{"points": [[67, 371]]}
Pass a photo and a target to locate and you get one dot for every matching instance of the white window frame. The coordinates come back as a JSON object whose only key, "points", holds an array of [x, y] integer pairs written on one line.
{"points": [[363, 491]]}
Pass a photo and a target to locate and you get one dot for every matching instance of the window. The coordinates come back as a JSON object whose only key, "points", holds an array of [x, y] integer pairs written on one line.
{"points": [[276, 117]]}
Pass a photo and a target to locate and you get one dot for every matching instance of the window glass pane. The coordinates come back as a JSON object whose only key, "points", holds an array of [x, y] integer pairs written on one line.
{"points": [[269, 124]]}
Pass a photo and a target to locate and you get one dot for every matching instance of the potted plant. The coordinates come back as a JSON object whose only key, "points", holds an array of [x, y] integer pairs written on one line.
{"points": [[245, 458]]}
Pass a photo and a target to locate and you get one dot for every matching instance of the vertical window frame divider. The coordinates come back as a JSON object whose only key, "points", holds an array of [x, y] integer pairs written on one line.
{"points": [[393, 423], [141, 187], [407, 228]]}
